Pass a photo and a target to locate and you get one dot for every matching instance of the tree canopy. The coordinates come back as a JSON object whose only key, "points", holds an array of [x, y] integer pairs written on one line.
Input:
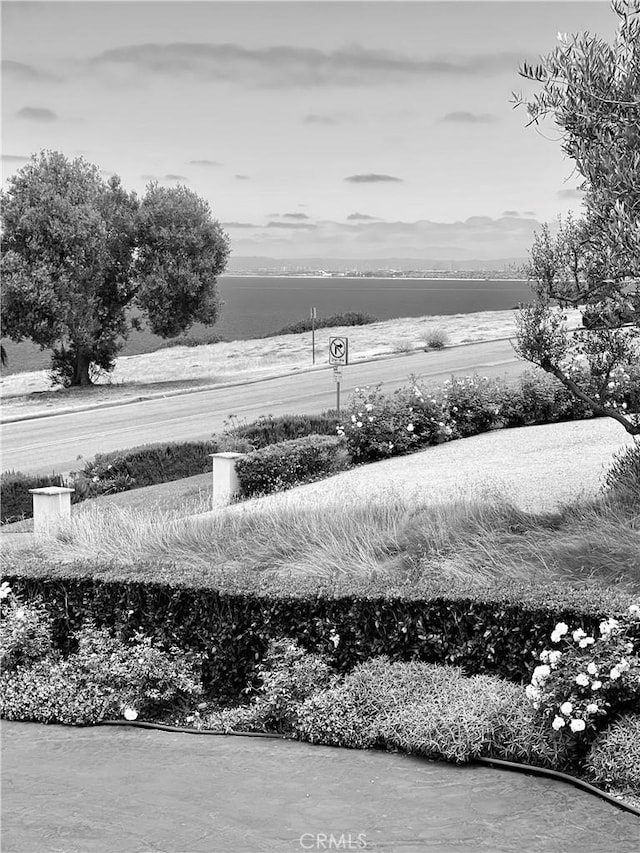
{"points": [[591, 90], [78, 251]]}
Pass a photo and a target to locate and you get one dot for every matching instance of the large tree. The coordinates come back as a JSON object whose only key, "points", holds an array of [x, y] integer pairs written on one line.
{"points": [[79, 251], [591, 90]]}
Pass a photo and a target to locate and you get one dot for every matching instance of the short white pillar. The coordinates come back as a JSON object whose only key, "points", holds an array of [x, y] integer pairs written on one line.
{"points": [[51, 507], [225, 479]]}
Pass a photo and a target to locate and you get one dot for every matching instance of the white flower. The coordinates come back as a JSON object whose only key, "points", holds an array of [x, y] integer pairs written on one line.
{"points": [[608, 626], [368, 407], [624, 665], [579, 634], [410, 427], [554, 657], [5, 589], [582, 679], [596, 685], [614, 673], [577, 725], [634, 610], [559, 631], [587, 641], [566, 708], [19, 614], [558, 723], [592, 669], [130, 714], [532, 692], [540, 675], [335, 638], [358, 423], [592, 708]]}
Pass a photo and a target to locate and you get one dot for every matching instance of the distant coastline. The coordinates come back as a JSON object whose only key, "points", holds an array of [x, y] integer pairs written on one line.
{"points": [[491, 278]]}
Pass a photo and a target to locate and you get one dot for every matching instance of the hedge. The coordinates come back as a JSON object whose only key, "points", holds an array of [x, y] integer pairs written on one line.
{"points": [[17, 503], [289, 463], [268, 430], [493, 630], [350, 318]]}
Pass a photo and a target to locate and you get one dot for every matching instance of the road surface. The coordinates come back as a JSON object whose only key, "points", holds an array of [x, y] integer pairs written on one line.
{"points": [[61, 442]]}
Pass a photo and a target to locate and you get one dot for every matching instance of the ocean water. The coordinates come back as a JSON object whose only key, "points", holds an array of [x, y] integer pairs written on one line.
{"points": [[257, 305]]}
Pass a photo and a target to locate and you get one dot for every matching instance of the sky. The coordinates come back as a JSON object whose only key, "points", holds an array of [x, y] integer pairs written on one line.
{"points": [[321, 129]]}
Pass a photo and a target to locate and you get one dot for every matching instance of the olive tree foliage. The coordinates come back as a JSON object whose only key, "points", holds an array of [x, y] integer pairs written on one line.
{"points": [[591, 90], [79, 251]]}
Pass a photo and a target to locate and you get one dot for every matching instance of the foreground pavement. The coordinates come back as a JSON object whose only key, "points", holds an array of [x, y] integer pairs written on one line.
{"points": [[124, 790]]}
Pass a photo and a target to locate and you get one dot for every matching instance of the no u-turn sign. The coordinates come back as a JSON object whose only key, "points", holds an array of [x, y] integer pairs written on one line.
{"points": [[339, 350]]}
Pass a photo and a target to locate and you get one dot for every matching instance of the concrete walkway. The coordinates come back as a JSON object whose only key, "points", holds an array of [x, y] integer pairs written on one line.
{"points": [[123, 790]]}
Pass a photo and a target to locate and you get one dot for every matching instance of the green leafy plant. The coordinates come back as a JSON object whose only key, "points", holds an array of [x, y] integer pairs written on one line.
{"points": [[350, 318], [289, 463], [614, 758]]}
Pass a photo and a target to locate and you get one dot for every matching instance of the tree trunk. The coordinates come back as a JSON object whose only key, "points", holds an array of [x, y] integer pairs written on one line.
{"points": [[81, 371]]}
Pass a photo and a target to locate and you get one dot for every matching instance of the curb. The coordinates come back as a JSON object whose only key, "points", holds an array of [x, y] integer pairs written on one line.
{"points": [[496, 763], [186, 391]]}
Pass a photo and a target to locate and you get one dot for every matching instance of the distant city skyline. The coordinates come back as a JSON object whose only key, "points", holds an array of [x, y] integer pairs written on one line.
{"points": [[314, 129]]}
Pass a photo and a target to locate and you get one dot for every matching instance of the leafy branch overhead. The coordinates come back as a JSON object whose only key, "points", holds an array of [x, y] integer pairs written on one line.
{"points": [[79, 252], [591, 90]]}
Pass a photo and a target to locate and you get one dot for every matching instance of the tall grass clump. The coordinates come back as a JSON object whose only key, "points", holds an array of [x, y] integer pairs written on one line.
{"points": [[435, 338]]}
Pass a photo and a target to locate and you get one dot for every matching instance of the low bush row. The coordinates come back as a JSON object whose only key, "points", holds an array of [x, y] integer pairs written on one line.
{"points": [[17, 503], [232, 622]]}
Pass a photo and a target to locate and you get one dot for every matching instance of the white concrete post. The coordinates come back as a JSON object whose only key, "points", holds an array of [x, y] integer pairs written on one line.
{"points": [[51, 507], [225, 479]]}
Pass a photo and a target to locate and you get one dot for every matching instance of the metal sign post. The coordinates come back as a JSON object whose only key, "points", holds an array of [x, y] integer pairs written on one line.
{"points": [[337, 376], [338, 355], [313, 336]]}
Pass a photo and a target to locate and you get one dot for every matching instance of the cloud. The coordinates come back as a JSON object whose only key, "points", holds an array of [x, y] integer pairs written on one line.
{"points": [[462, 117], [149, 177], [529, 213], [314, 118], [26, 73], [511, 213], [295, 216], [371, 178], [242, 177], [284, 65], [37, 114], [361, 217], [240, 225], [290, 225], [475, 237], [570, 194], [14, 158], [204, 163], [174, 178]]}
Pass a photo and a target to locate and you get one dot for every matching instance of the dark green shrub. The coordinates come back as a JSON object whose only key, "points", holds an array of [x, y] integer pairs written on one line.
{"points": [[193, 340], [149, 464], [288, 463], [17, 503], [350, 318], [377, 426], [623, 475], [268, 429], [614, 759]]}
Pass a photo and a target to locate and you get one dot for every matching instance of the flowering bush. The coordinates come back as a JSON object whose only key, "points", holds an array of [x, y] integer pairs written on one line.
{"points": [[472, 403], [105, 678], [585, 682], [25, 631], [378, 426]]}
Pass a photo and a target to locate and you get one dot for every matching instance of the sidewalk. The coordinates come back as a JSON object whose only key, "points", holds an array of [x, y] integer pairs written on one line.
{"points": [[121, 790]]}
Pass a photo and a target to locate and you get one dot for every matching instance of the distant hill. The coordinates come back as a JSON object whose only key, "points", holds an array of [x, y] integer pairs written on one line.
{"points": [[255, 264]]}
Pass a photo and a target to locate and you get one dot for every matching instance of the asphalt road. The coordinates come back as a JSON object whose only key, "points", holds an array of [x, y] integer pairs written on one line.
{"points": [[59, 443]]}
